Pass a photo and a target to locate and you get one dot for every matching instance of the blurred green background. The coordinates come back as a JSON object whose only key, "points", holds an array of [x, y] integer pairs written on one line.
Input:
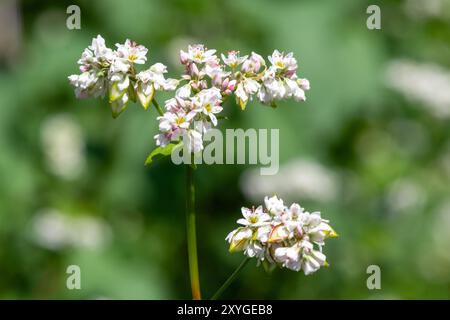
{"points": [[370, 149]]}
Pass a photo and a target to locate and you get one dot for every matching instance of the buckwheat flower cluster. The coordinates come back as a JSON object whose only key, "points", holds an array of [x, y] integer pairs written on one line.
{"points": [[209, 82], [104, 70], [285, 236], [251, 76]]}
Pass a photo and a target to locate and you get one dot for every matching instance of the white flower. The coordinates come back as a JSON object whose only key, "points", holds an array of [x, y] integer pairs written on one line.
{"points": [[100, 50], [277, 87], [208, 102], [233, 59], [214, 70], [312, 260], [119, 66], [298, 178], [238, 238], [253, 64], [96, 56], [56, 230], [284, 64], [228, 86], [171, 121], [197, 54], [288, 237], [427, 85], [184, 92], [255, 249], [253, 217], [317, 228], [63, 146], [304, 84], [155, 75], [172, 126], [88, 84], [153, 79], [263, 232], [132, 52], [244, 91], [274, 205], [193, 140], [280, 81]]}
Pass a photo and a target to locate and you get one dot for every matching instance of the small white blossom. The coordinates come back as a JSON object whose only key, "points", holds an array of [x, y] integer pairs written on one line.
{"points": [[244, 91], [253, 217], [274, 205], [280, 80], [88, 84], [208, 102], [197, 54], [253, 64], [153, 79]]}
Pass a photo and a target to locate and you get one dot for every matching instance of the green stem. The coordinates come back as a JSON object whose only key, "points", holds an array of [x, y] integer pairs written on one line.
{"points": [[157, 107], [191, 233], [230, 279]]}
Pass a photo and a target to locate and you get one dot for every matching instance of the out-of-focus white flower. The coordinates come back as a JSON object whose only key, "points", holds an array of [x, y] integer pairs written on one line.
{"points": [[433, 257], [419, 9], [405, 196], [96, 56], [303, 178], [63, 145], [289, 237], [426, 83], [55, 230], [193, 110]]}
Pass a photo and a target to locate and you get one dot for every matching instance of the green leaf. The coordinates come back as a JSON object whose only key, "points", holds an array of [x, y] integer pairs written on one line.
{"points": [[161, 152]]}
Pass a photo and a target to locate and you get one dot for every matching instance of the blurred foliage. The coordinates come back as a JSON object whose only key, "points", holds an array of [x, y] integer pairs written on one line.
{"points": [[370, 137]]}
